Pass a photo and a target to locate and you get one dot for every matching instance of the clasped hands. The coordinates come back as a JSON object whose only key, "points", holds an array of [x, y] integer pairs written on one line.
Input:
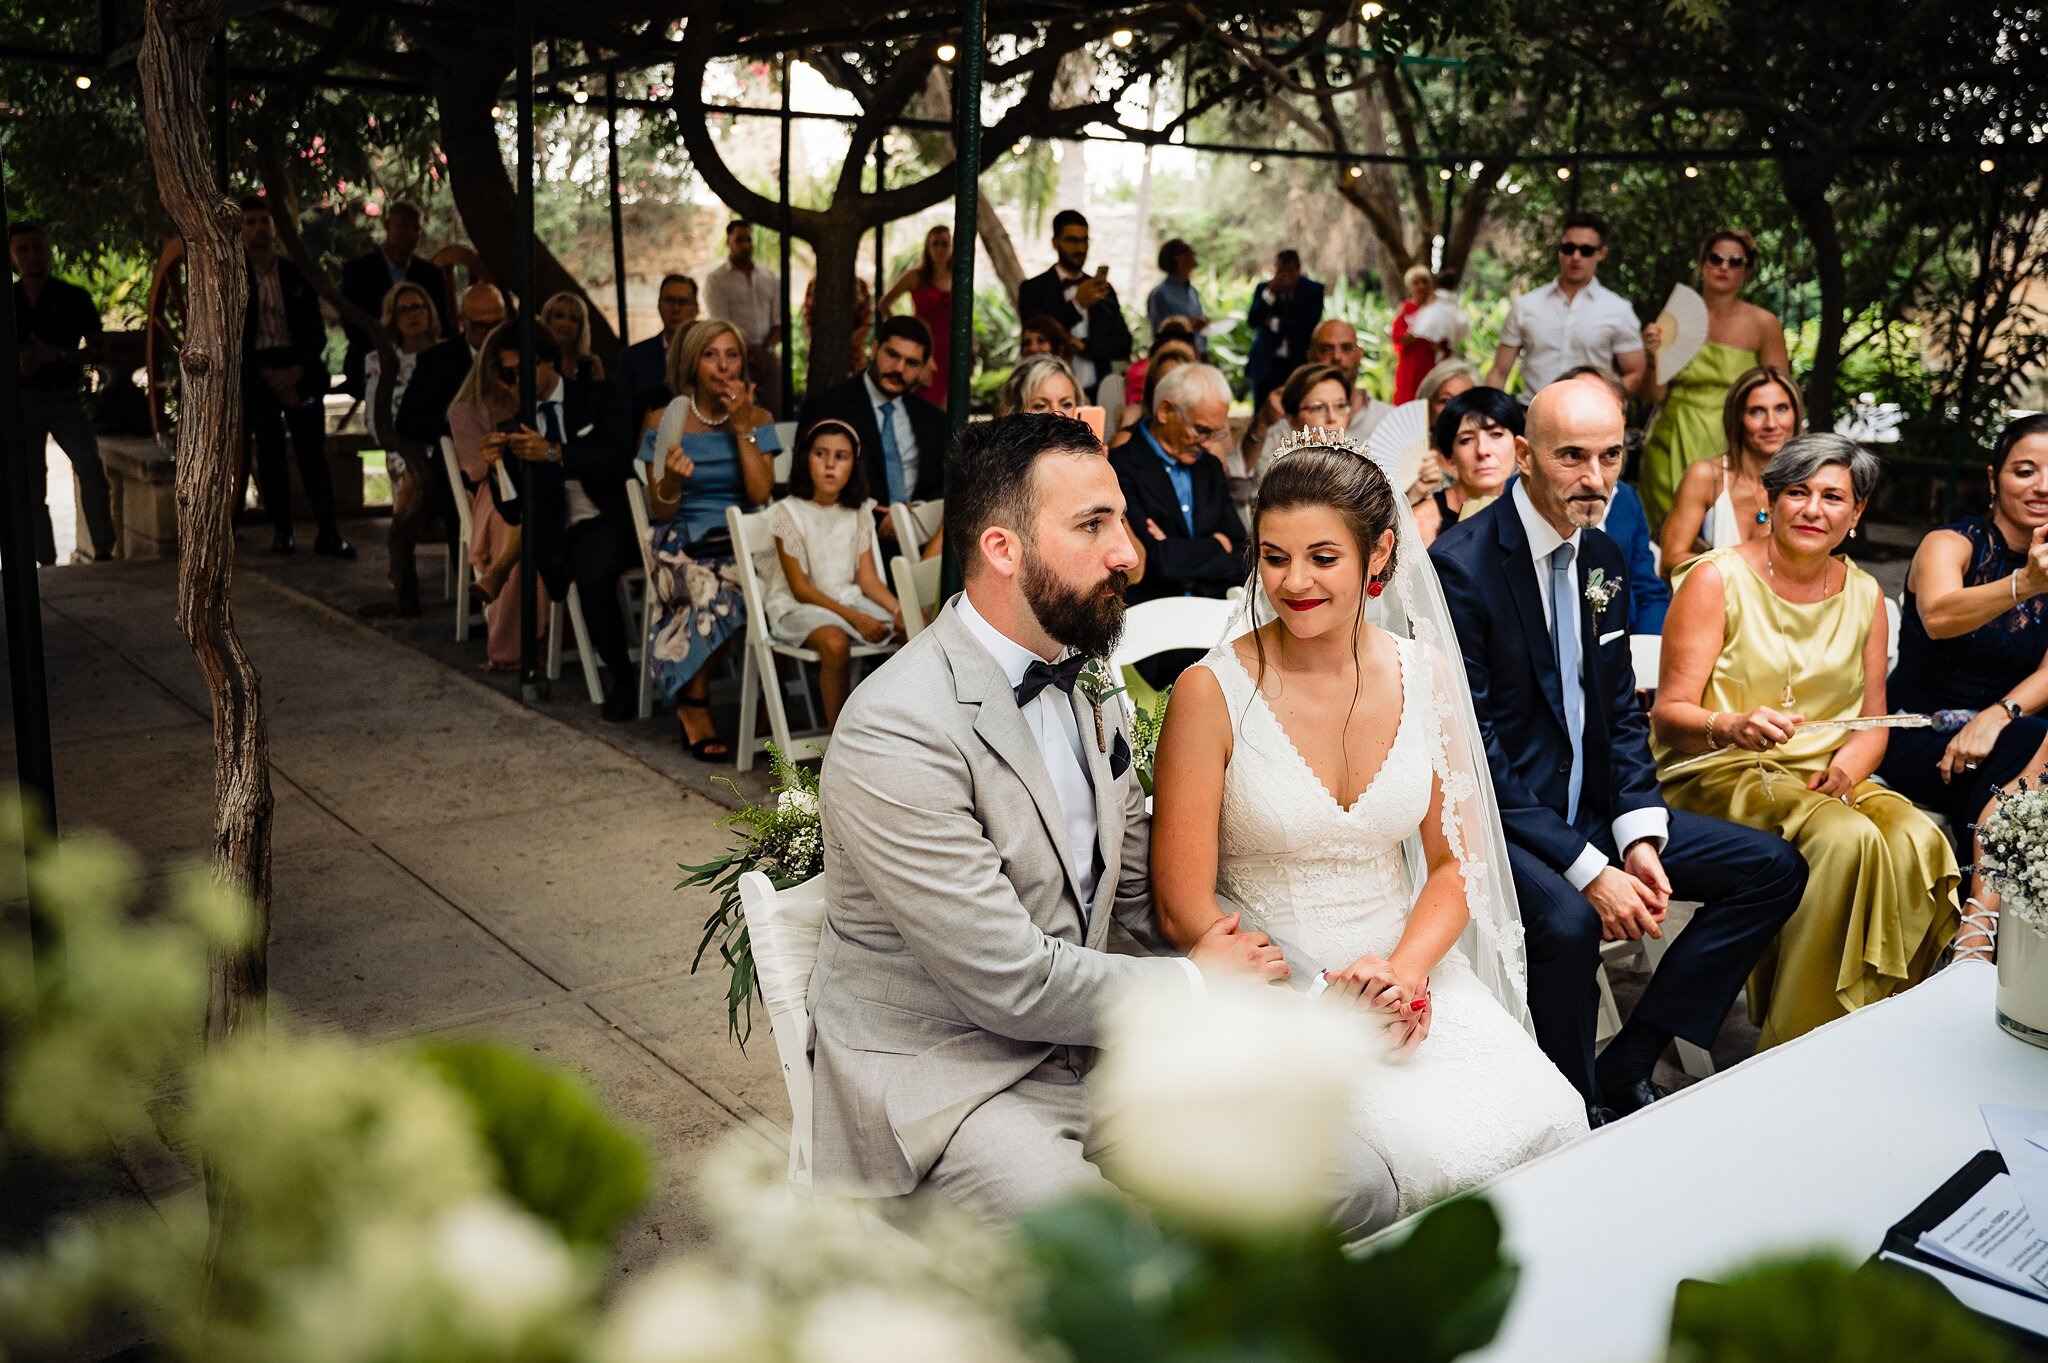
{"points": [[524, 443], [1371, 984]]}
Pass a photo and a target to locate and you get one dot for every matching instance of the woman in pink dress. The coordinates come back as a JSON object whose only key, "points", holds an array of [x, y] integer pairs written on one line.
{"points": [[1418, 355], [488, 400], [930, 286]]}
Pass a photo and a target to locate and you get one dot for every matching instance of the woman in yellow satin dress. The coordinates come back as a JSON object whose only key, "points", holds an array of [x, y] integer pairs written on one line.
{"points": [[1764, 642], [1740, 336]]}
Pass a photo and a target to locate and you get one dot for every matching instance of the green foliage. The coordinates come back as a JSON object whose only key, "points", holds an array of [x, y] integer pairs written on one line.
{"points": [[559, 1154], [1825, 1310], [1121, 1287], [1146, 722], [782, 841]]}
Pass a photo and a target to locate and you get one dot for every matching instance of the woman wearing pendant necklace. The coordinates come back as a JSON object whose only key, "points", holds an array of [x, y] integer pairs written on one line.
{"points": [[1721, 501], [714, 449], [1974, 643], [1764, 642]]}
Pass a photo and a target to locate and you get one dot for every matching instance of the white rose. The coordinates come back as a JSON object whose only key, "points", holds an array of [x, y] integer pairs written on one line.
{"points": [[797, 801], [684, 1313], [871, 1325], [503, 1266], [1228, 1106]]}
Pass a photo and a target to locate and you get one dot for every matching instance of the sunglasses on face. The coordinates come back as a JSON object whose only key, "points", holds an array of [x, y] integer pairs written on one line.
{"points": [[1730, 262], [1577, 248]]}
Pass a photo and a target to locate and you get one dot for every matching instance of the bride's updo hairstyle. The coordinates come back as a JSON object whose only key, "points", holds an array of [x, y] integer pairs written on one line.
{"points": [[1331, 476]]}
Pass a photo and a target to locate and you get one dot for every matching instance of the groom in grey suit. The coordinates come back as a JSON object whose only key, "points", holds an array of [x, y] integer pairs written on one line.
{"points": [[982, 828]]}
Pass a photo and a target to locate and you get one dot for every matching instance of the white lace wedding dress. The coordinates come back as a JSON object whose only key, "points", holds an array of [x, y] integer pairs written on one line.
{"points": [[1476, 1097]]}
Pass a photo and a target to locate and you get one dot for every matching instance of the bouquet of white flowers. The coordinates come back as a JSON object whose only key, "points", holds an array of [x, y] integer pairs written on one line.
{"points": [[2015, 855]]}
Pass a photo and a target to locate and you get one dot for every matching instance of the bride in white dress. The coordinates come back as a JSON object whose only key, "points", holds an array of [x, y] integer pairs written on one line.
{"points": [[1316, 773]]}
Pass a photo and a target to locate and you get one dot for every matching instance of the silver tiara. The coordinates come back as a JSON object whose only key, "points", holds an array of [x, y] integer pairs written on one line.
{"points": [[1318, 438]]}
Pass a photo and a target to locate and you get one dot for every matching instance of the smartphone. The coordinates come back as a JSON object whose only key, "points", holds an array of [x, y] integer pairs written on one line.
{"points": [[1094, 417], [509, 426], [1102, 273]]}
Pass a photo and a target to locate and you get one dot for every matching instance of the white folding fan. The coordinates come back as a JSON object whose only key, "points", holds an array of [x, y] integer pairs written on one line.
{"points": [[1684, 326], [1400, 442]]}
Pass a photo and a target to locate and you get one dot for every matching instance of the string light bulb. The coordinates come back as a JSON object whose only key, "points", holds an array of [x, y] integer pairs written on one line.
{"points": [[1258, 167], [1692, 172], [82, 81], [580, 95], [1564, 172], [1987, 165], [497, 111], [1371, 10], [947, 52], [1123, 37], [1444, 173], [1356, 172]]}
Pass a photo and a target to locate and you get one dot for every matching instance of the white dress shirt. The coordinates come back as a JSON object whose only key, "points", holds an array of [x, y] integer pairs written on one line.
{"points": [[1083, 367], [1557, 333], [581, 508], [1635, 825], [906, 437], [1050, 718], [749, 299]]}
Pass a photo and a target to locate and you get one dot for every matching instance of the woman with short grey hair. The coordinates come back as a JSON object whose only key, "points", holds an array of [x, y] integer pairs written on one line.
{"points": [[1768, 648]]}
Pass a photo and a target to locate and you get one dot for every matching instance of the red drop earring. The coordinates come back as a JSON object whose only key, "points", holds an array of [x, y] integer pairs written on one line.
{"points": [[1375, 587]]}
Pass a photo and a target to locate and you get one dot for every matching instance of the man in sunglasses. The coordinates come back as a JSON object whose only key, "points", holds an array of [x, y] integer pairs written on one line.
{"points": [[1177, 496], [1574, 320]]}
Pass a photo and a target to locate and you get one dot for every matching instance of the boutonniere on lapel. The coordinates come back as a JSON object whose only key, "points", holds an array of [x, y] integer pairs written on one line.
{"points": [[1098, 684], [1599, 591]]}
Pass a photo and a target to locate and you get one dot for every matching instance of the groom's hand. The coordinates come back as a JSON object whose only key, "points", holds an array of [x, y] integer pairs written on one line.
{"points": [[1627, 907], [1223, 950]]}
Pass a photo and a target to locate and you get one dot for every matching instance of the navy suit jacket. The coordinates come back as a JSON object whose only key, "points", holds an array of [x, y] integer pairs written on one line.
{"points": [[849, 402], [1489, 582], [1298, 314], [1649, 595], [1182, 563], [1109, 337], [643, 367], [364, 282]]}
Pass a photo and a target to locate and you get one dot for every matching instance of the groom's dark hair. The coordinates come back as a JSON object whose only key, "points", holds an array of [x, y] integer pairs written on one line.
{"points": [[988, 474]]}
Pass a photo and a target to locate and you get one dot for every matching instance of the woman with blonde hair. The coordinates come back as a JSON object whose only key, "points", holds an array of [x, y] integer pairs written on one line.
{"points": [[714, 449], [1721, 502], [1042, 383], [1740, 337], [567, 318]]}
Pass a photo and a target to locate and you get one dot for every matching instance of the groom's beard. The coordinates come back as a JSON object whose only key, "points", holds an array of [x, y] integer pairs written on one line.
{"points": [[1088, 620]]}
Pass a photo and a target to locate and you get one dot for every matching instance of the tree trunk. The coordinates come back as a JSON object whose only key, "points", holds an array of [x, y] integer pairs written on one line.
{"points": [[1002, 251], [173, 64], [1806, 190], [466, 85], [836, 246]]}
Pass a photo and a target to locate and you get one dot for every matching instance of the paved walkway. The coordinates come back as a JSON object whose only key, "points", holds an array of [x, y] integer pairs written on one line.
{"points": [[446, 859]]}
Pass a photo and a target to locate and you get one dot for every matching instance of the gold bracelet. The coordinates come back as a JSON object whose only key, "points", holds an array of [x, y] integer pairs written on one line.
{"points": [[1713, 744]]}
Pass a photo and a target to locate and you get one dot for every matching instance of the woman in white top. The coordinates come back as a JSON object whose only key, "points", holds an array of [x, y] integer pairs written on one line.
{"points": [[1721, 501], [829, 594]]}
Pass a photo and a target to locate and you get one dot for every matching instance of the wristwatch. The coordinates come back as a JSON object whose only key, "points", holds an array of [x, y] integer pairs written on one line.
{"points": [[2012, 708]]}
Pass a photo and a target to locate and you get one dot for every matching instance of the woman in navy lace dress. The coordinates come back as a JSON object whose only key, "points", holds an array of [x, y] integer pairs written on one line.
{"points": [[1974, 642]]}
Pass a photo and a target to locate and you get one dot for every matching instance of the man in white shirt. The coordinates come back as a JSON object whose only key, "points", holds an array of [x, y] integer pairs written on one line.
{"points": [[983, 826], [1573, 320], [750, 297]]}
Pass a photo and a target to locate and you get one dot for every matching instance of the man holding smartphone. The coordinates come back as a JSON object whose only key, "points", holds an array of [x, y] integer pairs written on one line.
{"points": [[1084, 304]]}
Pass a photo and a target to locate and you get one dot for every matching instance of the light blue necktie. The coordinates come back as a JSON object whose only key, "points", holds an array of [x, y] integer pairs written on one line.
{"points": [[892, 459], [1564, 635]]}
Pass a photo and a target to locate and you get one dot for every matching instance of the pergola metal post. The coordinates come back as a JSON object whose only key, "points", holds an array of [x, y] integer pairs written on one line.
{"points": [[611, 142], [33, 764], [966, 203], [531, 686], [788, 358]]}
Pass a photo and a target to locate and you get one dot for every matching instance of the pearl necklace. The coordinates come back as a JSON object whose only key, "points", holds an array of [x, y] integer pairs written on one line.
{"points": [[703, 420]]}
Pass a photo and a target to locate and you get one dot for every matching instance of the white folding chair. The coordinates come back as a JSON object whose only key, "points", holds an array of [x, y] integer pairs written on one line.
{"points": [[584, 657], [1894, 614], [1646, 655], [643, 531], [761, 678], [916, 522], [1172, 622], [785, 458], [461, 577], [634, 578], [916, 584], [783, 927]]}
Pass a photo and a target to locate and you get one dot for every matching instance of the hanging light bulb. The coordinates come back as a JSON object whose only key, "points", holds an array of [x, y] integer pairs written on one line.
{"points": [[1356, 172], [1371, 10], [1121, 38], [1444, 173], [82, 81], [1987, 165], [1564, 172], [947, 52], [1692, 172], [497, 111], [1258, 167], [580, 94]]}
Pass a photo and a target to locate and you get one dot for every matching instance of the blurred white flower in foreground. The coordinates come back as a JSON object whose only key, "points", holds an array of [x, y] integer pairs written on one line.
{"points": [[874, 1325], [1228, 1106], [687, 1313], [501, 1264]]}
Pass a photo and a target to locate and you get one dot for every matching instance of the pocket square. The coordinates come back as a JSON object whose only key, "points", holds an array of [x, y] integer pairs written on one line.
{"points": [[586, 430], [1119, 757], [1611, 636]]}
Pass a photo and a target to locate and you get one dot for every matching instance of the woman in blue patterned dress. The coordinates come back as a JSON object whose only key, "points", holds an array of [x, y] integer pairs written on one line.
{"points": [[1973, 641], [713, 449]]}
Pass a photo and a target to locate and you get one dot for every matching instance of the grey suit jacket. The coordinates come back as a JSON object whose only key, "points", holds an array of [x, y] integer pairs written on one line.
{"points": [[955, 956]]}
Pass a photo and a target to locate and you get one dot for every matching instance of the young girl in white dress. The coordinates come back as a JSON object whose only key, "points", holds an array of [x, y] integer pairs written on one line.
{"points": [[1318, 772], [829, 595]]}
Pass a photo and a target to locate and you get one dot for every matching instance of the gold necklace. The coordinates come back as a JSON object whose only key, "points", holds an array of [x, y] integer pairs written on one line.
{"points": [[1805, 660]]}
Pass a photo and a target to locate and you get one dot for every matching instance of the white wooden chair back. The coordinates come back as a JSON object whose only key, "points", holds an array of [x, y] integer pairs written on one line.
{"points": [[916, 584], [916, 522], [785, 458], [1172, 622], [1894, 614], [784, 927], [1646, 655], [465, 527]]}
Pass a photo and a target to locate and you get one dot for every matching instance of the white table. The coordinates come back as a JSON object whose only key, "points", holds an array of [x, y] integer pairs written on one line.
{"points": [[1822, 1142]]}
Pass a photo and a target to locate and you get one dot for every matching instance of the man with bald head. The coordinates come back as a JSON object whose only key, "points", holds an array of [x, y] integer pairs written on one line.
{"points": [[1538, 593], [422, 419]]}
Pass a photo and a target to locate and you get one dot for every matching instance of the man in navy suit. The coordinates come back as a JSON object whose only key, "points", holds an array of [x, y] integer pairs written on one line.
{"points": [[643, 365], [1594, 852], [1284, 314]]}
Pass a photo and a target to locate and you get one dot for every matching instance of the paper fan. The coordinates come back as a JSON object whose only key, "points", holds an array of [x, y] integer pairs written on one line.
{"points": [[1684, 324], [1400, 442]]}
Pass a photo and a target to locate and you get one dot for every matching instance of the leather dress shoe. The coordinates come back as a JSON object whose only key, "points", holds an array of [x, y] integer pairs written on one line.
{"points": [[334, 546], [281, 543], [1599, 1115], [621, 704], [1630, 1098]]}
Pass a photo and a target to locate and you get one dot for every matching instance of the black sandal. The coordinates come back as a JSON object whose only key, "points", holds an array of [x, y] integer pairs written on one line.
{"points": [[711, 749]]}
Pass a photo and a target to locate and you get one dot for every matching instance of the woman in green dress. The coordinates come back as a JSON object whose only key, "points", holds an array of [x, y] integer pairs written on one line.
{"points": [[1770, 647], [1740, 336]]}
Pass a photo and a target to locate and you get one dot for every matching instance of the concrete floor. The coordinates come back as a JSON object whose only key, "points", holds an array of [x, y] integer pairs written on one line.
{"points": [[446, 859]]}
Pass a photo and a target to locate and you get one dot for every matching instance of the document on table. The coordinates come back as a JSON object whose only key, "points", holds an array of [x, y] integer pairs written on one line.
{"points": [[1992, 1234], [2021, 1135]]}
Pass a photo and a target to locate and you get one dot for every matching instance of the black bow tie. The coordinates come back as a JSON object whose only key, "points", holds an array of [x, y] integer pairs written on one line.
{"points": [[1042, 674]]}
